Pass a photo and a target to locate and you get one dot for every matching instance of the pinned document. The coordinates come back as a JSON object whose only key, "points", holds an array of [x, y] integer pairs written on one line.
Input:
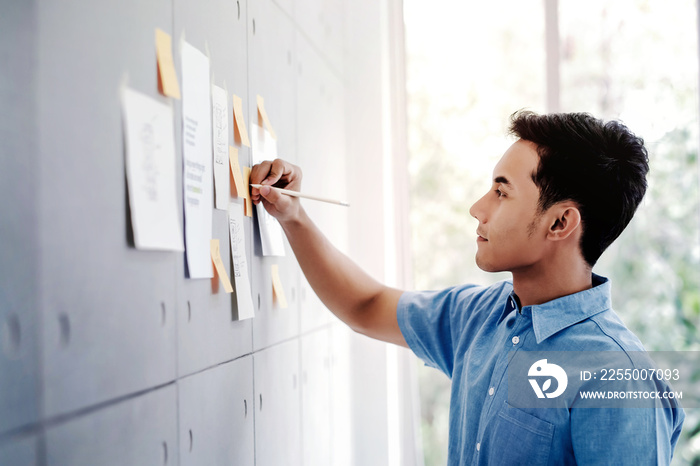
{"points": [[167, 78], [277, 289], [265, 119], [240, 128], [241, 190], [197, 160], [244, 298], [150, 172], [219, 104], [214, 247]]}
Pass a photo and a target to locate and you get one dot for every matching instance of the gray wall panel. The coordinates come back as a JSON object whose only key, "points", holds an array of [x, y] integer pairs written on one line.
{"points": [[273, 324], [108, 310], [271, 59], [19, 222], [313, 314], [21, 450], [286, 5], [271, 74], [322, 22], [342, 403], [138, 431], [315, 398], [109, 354], [321, 138], [216, 409], [277, 408], [207, 333]]}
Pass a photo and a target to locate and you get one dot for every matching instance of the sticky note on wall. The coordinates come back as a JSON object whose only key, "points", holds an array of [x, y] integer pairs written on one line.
{"points": [[240, 128], [241, 190], [167, 78], [265, 119], [277, 289], [219, 265], [246, 185]]}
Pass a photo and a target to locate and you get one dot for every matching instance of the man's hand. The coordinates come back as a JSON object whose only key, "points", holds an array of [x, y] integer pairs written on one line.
{"points": [[280, 174], [356, 298]]}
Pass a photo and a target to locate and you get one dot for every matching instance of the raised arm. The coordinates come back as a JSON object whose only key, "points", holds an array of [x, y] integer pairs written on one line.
{"points": [[364, 304]]}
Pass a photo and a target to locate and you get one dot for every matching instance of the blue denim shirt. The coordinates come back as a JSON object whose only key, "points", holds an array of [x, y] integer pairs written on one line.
{"points": [[471, 332]]}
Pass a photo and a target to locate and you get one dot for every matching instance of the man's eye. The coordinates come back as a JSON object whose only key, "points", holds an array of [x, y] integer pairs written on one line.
{"points": [[499, 193]]}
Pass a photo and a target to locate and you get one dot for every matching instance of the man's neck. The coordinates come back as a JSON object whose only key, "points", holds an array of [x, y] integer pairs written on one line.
{"points": [[542, 284]]}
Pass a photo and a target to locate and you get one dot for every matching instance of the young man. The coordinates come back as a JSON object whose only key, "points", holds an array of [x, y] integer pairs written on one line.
{"points": [[560, 196]]}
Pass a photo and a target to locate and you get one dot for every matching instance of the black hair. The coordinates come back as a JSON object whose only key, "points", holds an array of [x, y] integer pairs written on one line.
{"points": [[601, 166]]}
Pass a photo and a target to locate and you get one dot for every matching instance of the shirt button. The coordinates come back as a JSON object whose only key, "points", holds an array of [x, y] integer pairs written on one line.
{"points": [[478, 446], [491, 391], [516, 340]]}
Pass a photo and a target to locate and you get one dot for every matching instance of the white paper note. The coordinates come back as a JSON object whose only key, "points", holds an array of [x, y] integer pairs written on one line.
{"points": [[271, 234], [150, 172], [197, 161], [241, 281], [219, 106]]}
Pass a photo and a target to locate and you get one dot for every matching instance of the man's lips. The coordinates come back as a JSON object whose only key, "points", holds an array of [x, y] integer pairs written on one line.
{"points": [[480, 237]]}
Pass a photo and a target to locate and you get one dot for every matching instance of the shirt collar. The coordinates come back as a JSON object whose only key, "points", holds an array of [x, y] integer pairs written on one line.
{"points": [[558, 314]]}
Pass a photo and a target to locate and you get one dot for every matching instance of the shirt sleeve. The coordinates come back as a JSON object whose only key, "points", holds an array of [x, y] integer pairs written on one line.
{"points": [[431, 323], [625, 436]]}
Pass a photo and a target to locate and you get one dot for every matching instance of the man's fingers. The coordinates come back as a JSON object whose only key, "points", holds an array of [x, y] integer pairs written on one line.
{"points": [[270, 194], [260, 172], [274, 197], [274, 173], [278, 169]]}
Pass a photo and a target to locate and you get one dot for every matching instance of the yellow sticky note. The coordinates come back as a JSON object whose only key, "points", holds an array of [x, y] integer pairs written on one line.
{"points": [[218, 263], [277, 289], [240, 128], [246, 186], [263, 114], [236, 172], [167, 79]]}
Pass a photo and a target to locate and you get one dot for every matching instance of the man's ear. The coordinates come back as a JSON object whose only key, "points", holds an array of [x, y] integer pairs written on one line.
{"points": [[565, 220]]}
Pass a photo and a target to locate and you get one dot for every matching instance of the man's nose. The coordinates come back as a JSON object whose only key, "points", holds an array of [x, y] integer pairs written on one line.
{"points": [[477, 212]]}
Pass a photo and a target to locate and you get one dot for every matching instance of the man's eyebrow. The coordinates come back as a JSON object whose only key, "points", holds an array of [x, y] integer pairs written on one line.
{"points": [[502, 180]]}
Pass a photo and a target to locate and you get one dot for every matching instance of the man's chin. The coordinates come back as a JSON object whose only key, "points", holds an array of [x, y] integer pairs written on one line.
{"points": [[487, 266]]}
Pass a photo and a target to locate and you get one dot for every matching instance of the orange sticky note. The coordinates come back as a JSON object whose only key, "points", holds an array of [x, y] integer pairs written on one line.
{"points": [[240, 128], [277, 289], [167, 78], [246, 186], [263, 114], [218, 263], [236, 172]]}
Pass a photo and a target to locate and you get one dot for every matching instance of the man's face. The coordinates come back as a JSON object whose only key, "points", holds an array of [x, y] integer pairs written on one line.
{"points": [[511, 234]]}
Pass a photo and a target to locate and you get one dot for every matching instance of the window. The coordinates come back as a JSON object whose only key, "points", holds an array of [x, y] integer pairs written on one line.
{"points": [[470, 65]]}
